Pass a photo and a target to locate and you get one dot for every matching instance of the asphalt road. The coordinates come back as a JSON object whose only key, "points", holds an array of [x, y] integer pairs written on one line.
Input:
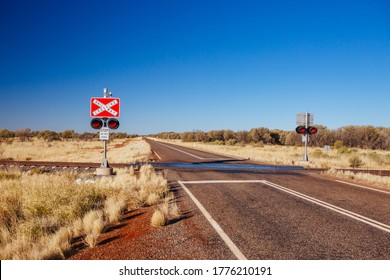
{"points": [[273, 214]]}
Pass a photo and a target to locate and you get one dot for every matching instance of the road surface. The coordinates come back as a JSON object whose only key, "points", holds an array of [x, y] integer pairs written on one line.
{"points": [[272, 214]]}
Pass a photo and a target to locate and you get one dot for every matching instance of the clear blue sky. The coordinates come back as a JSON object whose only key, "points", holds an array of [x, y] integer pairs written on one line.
{"points": [[185, 65]]}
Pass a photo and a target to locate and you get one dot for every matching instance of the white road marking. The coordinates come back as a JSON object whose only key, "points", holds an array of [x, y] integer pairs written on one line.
{"points": [[224, 182], [184, 152], [156, 154], [190, 154], [363, 187], [239, 255], [337, 209], [321, 203]]}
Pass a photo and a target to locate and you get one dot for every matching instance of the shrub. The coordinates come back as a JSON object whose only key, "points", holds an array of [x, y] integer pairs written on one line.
{"points": [[318, 154], [343, 150], [378, 159], [338, 144], [231, 142], [355, 161]]}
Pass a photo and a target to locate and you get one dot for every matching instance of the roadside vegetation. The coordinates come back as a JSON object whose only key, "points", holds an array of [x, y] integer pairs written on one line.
{"points": [[120, 150], [363, 137], [42, 215], [359, 147], [350, 146], [364, 178]]}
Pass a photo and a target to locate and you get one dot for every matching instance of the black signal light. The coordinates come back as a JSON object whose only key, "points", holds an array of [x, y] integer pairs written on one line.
{"points": [[113, 123], [301, 129], [96, 123], [312, 130]]}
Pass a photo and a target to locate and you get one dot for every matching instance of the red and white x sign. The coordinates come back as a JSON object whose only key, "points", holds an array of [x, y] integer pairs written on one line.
{"points": [[105, 107]]}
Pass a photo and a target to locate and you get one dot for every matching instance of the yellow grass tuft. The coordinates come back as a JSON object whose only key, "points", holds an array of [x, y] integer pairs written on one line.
{"points": [[93, 225], [167, 210], [158, 219], [113, 208]]}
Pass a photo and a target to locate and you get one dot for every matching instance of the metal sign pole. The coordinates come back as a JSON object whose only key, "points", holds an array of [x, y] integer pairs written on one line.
{"points": [[105, 161], [306, 157]]}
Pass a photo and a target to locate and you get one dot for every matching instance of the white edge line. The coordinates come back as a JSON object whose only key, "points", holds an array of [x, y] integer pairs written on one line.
{"points": [[239, 255], [363, 187], [156, 154]]}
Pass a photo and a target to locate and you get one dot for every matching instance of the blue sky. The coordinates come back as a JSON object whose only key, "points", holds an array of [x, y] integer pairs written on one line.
{"points": [[186, 65]]}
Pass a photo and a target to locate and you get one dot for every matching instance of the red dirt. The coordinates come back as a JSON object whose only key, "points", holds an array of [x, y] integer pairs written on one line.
{"points": [[119, 241]]}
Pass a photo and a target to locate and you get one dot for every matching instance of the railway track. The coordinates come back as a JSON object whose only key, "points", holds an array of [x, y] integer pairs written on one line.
{"points": [[57, 166], [87, 166]]}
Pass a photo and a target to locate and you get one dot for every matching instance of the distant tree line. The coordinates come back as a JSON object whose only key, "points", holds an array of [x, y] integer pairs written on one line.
{"points": [[366, 137], [48, 135]]}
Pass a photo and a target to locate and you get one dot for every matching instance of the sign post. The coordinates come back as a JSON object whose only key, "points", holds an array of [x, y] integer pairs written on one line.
{"points": [[304, 127], [104, 112]]}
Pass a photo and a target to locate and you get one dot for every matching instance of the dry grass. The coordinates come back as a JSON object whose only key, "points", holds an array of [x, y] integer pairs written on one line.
{"points": [[167, 210], [93, 225], [364, 178], [159, 219], [40, 214], [118, 151]]}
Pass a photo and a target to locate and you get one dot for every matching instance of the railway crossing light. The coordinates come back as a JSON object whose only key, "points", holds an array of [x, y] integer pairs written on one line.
{"points": [[312, 130], [301, 129], [113, 123], [96, 123]]}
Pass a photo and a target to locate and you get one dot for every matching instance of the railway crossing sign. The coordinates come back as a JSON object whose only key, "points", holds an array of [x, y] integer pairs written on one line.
{"points": [[102, 107], [104, 111]]}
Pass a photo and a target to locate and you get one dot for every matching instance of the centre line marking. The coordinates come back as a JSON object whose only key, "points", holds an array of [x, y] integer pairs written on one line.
{"points": [[192, 155], [239, 255], [181, 151]]}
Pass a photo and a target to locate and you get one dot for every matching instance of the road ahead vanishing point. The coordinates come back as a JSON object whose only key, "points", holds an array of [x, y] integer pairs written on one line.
{"points": [[274, 213]]}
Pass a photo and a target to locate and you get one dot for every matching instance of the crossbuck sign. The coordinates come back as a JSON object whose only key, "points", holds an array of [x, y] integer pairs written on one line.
{"points": [[105, 107]]}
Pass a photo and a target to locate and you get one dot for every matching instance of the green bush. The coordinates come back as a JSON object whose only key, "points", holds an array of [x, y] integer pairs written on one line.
{"points": [[338, 144], [343, 150], [318, 154], [231, 142], [378, 159], [355, 161]]}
